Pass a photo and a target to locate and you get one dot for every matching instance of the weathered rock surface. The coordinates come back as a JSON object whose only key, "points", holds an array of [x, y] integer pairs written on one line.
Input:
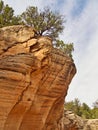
{"points": [[91, 124], [34, 79], [72, 121]]}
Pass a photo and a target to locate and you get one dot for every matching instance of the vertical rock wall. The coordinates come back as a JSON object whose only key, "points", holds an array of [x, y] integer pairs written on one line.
{"points": [[34, 79]]}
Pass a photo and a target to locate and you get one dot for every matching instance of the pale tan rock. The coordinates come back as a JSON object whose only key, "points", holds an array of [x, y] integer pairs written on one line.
{"points": [[19, 33], [72, 122], [34, 79], [12, 35], [91, 124]]}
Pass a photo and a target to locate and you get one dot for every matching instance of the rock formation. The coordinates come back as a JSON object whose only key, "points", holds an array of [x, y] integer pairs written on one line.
{"points": [[34, 79], [72, 122], [91, 124]]}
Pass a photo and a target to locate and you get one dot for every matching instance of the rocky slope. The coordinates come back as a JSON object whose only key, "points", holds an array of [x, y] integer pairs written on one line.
{"points": [[34, 79]]}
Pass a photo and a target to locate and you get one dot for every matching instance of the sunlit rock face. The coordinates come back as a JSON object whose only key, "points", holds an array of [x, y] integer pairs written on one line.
{"points": [[91, 124], [34, 79]]}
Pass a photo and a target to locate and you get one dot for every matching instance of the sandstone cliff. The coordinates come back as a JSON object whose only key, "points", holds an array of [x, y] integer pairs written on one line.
{"points": [[34, 79]]}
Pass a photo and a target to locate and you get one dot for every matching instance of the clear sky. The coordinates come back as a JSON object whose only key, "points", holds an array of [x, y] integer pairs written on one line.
{"points": [[81, 28]]}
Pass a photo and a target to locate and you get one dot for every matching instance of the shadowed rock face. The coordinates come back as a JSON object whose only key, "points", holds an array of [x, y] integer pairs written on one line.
{"points": [[34, 79]]}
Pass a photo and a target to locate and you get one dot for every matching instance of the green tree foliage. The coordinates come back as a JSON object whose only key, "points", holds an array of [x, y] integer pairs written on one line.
{"points": [[49, 24], [86, 111], [83, 109], [95, 109], [66, 48], [74, 106], [45, 22], [95, 113], [7, 17]]}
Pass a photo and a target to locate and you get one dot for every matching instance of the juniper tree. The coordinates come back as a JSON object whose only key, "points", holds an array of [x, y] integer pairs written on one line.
{"points": [[7, 16], [46, 22]]}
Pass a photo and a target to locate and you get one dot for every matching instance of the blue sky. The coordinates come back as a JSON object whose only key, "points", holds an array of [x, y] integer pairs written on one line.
{"points": [[78, 8], [81, 28]]}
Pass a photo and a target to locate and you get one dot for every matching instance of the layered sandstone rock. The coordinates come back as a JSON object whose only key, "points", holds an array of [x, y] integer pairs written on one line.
{"points": [[34, 79]]}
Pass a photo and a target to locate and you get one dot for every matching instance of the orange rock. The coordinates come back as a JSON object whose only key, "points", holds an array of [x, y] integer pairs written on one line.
{"points": [[34, 79]]}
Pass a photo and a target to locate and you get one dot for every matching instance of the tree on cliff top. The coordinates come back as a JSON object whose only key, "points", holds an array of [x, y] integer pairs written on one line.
{"points": [[7, 17], [45, 22]]}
